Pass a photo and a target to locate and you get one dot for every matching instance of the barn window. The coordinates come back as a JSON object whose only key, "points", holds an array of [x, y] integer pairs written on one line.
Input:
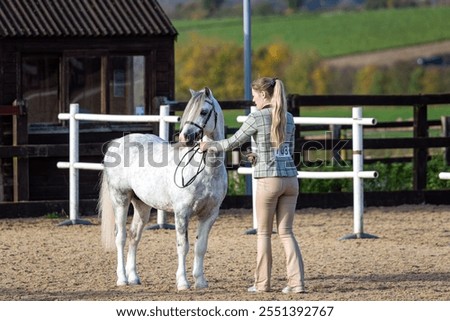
{"points": [[98, 81], [127, 95], [40, 87], [85, 83]]}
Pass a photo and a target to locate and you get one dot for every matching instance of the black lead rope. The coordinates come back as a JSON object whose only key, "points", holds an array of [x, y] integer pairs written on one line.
{"points": [[194, 150]]}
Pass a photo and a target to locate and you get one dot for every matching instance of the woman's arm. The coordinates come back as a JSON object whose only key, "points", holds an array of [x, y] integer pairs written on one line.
{"points": [[241, 136]]}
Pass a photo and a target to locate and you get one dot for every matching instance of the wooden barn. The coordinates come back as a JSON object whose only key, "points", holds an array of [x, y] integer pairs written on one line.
{"points": [[109, 56]]}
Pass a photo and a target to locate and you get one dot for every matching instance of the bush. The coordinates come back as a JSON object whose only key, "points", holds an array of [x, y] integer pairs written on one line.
{"points": [[392, 177], [219, 65], [368, 81], [215, 64], [435, 166]]}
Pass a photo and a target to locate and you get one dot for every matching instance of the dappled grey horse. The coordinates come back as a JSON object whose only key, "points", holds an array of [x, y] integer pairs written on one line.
{"points": [[148, 172]]}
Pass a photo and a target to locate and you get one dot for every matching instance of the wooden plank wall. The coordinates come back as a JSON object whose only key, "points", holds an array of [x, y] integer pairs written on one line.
{"points": [[8, 93]]}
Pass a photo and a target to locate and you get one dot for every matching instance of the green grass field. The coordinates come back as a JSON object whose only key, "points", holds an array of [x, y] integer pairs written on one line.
{"points": [[336, 34], [331, 34]]}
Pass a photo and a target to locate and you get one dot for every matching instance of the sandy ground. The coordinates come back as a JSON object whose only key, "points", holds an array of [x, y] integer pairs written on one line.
{"points": [[409, 261], [391, 56]]}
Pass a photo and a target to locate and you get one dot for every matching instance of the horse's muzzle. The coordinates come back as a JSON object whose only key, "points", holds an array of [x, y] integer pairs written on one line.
{"points": [[190, 138]]}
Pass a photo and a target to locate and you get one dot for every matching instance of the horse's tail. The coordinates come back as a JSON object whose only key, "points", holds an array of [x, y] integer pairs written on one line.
{"points": [[106, 212]]}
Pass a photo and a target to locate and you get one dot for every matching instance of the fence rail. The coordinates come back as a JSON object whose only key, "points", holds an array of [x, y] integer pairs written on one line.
{"points": [[74, 165], [444, 175], [27, 145]]}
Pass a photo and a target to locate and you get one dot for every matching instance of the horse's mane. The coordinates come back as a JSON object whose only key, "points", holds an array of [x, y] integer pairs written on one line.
{"points": [[193, 107]]}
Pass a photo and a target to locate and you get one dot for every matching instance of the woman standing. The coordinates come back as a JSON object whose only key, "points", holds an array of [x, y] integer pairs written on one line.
{"points": [[272, 128]]}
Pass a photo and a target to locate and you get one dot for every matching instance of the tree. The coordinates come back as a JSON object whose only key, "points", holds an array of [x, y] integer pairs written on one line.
{"points": [[294, 5], [212, 5]]}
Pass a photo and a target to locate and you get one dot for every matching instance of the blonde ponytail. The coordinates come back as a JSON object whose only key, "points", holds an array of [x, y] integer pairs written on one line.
{"points": [[279, 110], [275, 90]]}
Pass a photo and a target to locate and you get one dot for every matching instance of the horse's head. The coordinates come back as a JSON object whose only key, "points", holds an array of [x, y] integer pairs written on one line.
{"points": [[202, 117]]}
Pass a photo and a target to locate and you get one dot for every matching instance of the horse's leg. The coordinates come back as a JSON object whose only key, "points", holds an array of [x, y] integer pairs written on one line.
{"points": [[181, 225], [121, 235], [204, 227], [140, 218]]}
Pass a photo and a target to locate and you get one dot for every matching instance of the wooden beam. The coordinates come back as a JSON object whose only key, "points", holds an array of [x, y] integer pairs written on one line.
{"points": [[420, 157], [305, 200], [445, 120], [6, 110], [369, 100], [49, 150], [20, 164], [105, 90]]}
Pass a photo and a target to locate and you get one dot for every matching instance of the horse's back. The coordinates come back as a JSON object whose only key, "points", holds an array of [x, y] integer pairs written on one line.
{"points": [[152, 170], [124, 150], [140, 164], [140, 138]]}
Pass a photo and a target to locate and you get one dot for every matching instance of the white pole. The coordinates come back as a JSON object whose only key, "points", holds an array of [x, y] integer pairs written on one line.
{"points": [[254, 191], [87, 166], [73, 158], [444, 175], [249, 170], [247, 49], [320, 175], [358, 187], [164, 110], [121, 118], [161, 220], [247, 33], [325, 120], [358, 194], [74, 178]]}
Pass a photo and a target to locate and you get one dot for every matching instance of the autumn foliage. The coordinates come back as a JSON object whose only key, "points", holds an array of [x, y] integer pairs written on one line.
{"points": [[219, 65]]}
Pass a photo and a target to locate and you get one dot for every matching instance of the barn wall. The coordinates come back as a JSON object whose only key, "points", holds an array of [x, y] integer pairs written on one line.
{"points": [[46, 182], [8, 93], [8, 74]]}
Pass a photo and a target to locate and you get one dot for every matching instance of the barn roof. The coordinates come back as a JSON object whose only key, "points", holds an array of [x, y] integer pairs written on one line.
{"points": [[83, 18]]}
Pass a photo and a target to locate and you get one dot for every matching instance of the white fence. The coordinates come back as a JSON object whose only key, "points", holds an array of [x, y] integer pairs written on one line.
{"points": [[164, 119], [357, 173], [444, 175], [74, 165]]}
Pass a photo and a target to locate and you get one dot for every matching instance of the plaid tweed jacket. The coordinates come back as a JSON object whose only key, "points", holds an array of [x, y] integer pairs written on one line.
{"points": [[270, 162]]}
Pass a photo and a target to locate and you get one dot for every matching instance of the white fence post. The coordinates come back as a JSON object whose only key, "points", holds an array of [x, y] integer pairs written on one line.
{"points": [[254, 150], [73, 171], [74, 165], [161, 220], [358, 187]]}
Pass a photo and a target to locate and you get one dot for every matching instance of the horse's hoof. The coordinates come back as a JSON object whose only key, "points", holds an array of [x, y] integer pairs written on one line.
{"points": [[183, 287], [122, 283], [134, 282], [201, 285]]}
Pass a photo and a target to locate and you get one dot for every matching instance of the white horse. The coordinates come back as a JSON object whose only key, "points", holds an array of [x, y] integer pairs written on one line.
{"points": [[148, 172]]}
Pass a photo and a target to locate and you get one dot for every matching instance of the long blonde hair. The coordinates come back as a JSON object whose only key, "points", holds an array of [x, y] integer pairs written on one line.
{"points": [[274, 88]]}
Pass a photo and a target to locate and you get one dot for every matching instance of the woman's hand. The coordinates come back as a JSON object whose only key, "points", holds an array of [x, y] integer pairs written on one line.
{"points": [[203, 146]]}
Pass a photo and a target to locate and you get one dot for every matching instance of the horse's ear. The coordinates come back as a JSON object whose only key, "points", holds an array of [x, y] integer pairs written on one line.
{"points": [[208, 92], [192, 91]]}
